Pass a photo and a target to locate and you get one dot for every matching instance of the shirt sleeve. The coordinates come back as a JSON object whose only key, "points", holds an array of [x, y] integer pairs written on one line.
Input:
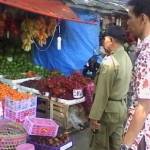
{"points": [[103, 88], [143, 77]]}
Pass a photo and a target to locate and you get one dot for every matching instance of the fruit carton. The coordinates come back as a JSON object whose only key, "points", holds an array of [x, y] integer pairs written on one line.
{"points": [[19, 116], [21, 105], [40, 126]]}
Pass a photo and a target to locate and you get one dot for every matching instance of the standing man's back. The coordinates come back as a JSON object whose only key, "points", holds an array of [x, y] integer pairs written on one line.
{"points": [[109, 109]]}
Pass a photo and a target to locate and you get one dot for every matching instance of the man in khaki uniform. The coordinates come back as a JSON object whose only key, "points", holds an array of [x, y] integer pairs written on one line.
{"points": [[108, 111]]}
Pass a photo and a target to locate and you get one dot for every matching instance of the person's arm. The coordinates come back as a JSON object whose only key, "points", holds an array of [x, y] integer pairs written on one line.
{"points": [[143, 97], [137, 123], [103, 87]]}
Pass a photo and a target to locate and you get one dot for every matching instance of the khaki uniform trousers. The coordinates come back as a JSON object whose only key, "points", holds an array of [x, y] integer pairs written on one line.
{"points": [[109, 136]]}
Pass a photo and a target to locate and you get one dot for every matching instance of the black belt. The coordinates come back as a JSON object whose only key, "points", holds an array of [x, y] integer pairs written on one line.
{"points": [[117, 100]]}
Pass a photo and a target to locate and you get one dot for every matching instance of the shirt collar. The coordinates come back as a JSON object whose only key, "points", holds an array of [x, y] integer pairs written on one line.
{"points": [[121, 48], [142, 44]]}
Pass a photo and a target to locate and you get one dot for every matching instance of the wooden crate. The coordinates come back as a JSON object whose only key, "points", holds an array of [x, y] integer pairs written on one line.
{"points": [[55, 110], [60, 113], [47, 108]]}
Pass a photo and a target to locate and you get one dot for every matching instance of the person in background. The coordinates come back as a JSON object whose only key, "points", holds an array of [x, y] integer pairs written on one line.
{"points": [[130, 46], [137, 131], [109, 111]]}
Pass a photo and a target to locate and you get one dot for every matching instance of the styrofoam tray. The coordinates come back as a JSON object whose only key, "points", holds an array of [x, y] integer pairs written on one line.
{"points": [[27, 89], [12, 82], [69, 102]]}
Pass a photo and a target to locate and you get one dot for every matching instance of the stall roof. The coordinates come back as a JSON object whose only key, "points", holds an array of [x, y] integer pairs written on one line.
{"points": [[102, 6], [53, 8]]}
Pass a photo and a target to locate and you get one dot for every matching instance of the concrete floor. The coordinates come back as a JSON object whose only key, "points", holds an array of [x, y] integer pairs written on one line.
{"points": [[80, 140]]}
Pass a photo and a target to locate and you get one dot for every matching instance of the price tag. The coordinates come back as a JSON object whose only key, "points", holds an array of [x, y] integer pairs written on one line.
{"points": [[68, 145], [46, 94], [77, 93]]}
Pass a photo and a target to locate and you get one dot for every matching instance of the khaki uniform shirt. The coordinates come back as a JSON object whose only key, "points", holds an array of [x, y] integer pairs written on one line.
{"points": [[112, 82]]}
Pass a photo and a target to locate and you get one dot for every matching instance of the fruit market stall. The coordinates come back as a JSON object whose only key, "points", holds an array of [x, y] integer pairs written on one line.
{"points": [[43, 101]]}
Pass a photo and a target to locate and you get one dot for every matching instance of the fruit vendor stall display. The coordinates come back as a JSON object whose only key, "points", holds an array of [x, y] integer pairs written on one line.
{"points": [[61, 96], [19, 32]]}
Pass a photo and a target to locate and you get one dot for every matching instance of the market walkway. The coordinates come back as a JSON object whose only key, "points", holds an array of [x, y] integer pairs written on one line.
{"points": [[81, 140]]}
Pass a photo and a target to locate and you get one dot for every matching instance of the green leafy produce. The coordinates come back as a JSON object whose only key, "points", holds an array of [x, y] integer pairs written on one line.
{"points": [[19, 67]]}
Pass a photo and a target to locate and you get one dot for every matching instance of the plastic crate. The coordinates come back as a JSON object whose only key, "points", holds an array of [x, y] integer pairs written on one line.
{"points": [[21, 105], [19, 116], [41, 126]]}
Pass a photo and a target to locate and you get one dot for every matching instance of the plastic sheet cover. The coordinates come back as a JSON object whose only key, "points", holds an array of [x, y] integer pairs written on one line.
{"points": [[79, 42]]}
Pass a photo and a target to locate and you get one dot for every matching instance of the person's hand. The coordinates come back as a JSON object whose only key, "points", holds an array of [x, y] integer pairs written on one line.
{"points": [[131, 111], [94, 125]]}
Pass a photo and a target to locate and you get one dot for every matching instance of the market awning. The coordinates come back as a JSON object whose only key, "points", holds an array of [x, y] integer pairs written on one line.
{"points": [[52, 8]]}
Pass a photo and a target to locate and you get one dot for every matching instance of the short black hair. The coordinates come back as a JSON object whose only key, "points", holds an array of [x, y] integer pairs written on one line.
{"points": [[116, 32], [140, 6]]}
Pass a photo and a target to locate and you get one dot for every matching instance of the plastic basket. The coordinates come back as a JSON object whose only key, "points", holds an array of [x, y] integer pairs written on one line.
{"points": [[41, 126], [11, 135]]}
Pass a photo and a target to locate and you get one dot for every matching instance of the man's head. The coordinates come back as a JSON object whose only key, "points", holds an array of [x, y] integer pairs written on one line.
{"points": [[139, 17], [113, 38]]}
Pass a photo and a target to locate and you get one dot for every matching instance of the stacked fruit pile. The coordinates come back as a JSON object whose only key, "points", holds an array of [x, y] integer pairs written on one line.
{"points": [[59, 86], [56, 142], [7, 91]]}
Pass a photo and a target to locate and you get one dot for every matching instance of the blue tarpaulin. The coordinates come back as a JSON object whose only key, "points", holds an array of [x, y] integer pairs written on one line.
{"points": [[79, 43]]}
